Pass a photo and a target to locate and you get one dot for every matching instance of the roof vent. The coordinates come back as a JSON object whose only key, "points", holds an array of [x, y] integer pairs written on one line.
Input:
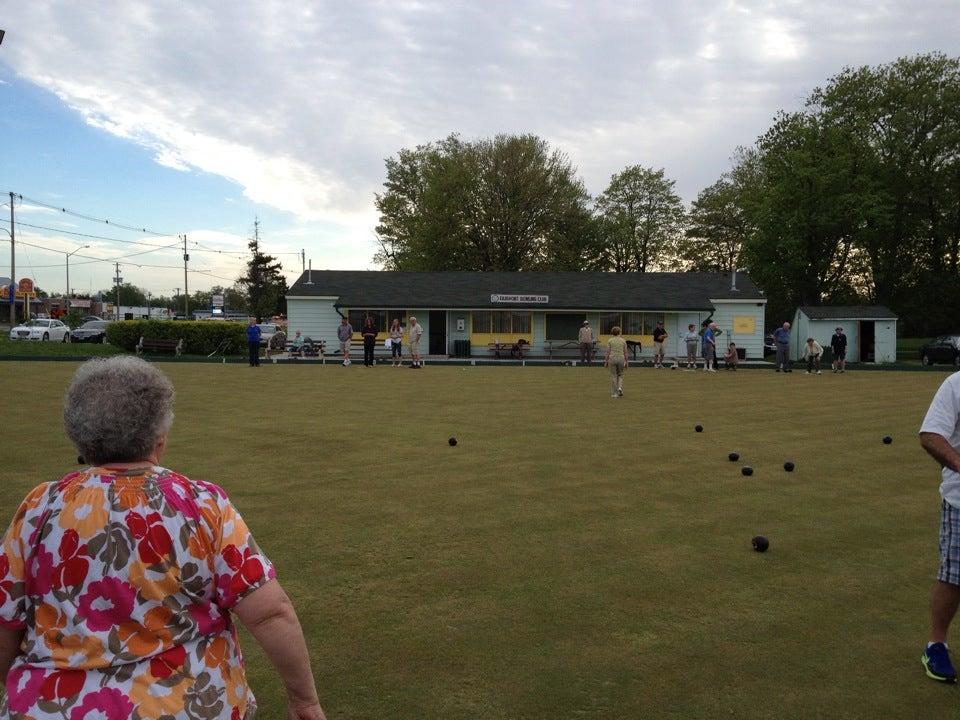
{"points": [[310, 273]]}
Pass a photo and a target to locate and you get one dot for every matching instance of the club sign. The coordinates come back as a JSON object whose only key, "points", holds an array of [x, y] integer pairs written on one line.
{"points": [[521, 299]]}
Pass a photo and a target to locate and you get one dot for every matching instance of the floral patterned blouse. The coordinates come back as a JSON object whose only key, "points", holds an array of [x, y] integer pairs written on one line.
{"points": [[122, 582]]}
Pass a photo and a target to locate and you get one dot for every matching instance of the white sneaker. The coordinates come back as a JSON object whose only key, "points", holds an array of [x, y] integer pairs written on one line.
{"points": [[620, 392], [713, 370], [819, 373], [614, 395]]}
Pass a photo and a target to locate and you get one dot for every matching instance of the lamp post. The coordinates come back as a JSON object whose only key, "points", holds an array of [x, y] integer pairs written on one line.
{"points": [[82, 247]]}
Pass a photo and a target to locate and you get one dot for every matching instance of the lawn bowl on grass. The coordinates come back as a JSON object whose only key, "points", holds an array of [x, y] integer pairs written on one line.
{"points": [[569, 561]]}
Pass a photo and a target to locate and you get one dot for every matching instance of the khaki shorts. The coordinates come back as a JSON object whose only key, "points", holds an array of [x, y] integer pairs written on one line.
{"points": [[658, 348], [345, 346], [414, 347]]}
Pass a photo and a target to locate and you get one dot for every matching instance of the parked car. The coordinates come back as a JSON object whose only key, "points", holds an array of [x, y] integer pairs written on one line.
{"points": [[41, 329], [267, 331], [944, 349], [94, 331], [92, 318]]}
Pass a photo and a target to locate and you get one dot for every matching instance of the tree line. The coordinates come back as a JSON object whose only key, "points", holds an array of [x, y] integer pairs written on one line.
{"points": [[853, 198]]}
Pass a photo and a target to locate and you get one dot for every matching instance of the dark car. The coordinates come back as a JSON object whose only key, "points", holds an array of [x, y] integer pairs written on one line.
{"points": [[769, 345], [92, 318], [94, 331], [945, 349]]}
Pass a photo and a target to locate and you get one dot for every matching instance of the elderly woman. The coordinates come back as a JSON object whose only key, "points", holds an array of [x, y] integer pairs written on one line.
{"points": [[117, 583]]}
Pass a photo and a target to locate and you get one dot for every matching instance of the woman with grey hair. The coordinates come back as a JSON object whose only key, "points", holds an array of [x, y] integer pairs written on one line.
{"points": [[118, 584]]}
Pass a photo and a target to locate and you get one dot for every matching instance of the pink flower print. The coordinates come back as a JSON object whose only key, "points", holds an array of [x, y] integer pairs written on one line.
{"points": [[23, 688], [106, 604], [40, 573], [106, 704]]}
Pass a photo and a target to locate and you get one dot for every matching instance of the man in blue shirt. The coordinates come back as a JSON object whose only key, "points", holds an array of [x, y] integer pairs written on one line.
{"points": [[782, 338], [710, 348], [253, 342]]}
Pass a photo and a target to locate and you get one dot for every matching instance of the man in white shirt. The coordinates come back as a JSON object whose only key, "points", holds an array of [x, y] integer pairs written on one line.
{"points": [[585, 339], [414, 332], [940, 437]]}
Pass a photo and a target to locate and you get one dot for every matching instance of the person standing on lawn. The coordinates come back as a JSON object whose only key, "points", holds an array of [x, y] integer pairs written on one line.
{"points": [[585, 338], [692, 340], [838, 343], [782, 338], [659, 338], [253, 342], [940, 437], [414, 333], [369, 333], [396, 343], [344, 335], [617, 361], [710, 348]]}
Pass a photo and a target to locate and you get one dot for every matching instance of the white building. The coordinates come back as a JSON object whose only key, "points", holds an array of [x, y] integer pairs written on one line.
{"points": [[871, 331]]}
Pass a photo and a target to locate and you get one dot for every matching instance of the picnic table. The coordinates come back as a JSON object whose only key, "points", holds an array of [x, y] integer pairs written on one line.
{"points": [[516, 349]]}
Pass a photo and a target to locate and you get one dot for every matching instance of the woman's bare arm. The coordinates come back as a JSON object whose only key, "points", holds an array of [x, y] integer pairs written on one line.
{"points": [[269, 616]]}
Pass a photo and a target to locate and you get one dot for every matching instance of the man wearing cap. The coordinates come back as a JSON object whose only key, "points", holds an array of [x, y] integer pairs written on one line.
{"points": [[659, 338], [839, 345], [586, 342]]}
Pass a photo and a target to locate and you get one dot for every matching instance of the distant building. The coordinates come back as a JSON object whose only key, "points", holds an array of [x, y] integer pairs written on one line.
{"points": [[871, 330], [546, 309]]}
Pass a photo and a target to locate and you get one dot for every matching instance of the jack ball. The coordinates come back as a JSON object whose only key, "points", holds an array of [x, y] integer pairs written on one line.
{"points": [[887, 440], [452, 441], [760, 543], [788, 466], [699, 428], [733, 457], [746, 470]]}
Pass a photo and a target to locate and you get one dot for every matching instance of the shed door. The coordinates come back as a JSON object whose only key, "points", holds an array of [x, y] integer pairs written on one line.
{"points": [[867, 341]]}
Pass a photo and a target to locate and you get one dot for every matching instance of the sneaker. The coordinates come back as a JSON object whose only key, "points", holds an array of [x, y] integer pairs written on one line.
{"points": [[778, 369], [808, 372], [620, 392], [614, 395], [712, 370], [936, 661], [819, 373]]}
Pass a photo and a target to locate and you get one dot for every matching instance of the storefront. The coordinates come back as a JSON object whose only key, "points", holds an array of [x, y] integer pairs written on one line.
{"points": [[546, 310]]}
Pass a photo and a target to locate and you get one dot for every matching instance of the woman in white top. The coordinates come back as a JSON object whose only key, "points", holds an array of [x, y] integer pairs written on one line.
{"points": [[813, 352], [396, 342]]}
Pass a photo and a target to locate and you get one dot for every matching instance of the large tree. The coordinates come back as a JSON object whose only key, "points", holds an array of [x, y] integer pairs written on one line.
{"points": [[641, 219], [264, 283], [504, 203]]}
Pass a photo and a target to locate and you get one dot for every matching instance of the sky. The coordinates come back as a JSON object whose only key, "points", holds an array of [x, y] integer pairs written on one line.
{"points": [[196, 118]]}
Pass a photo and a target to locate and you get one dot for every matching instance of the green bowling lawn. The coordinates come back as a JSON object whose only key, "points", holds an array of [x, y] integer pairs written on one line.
{"points": [[574, 556]]}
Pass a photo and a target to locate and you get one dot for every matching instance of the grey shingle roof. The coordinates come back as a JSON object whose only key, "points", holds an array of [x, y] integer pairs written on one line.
{"points": [[848, 312], [566, 290]]}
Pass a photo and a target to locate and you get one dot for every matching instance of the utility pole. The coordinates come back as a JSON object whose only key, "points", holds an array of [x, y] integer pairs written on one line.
{"points": [[303, 260], [117, 280], [186, 290], [148, 304], [67, 299], [13, 267]]}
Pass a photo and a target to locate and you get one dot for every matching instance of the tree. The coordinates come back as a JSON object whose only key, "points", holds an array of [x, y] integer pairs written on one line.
{"points": [[504, 203], [641, 221], [264, 284], [719, 223], [130, 295]]}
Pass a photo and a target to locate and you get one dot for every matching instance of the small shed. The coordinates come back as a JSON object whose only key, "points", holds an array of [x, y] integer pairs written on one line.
{"points": [[871, 330]]}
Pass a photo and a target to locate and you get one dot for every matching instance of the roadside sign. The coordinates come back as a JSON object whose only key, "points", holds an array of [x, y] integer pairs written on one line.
{"points": [[217, 301]]}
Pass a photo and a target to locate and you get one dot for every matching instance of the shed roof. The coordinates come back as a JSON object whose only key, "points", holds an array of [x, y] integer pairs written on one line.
{"points": [[848, 312], [565, 290]]}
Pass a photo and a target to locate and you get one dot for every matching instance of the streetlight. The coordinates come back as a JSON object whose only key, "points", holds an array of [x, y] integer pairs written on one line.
{"points": [[82, 247]]}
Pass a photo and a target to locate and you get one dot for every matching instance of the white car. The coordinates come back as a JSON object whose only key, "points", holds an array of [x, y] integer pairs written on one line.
{"points": [[41, 330]]}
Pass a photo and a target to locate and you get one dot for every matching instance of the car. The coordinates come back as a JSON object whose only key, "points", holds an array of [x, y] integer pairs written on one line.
{"points": [[944, 349], [41, 329], [94, 331], [769, 345], [267, 331], [92, 318]]}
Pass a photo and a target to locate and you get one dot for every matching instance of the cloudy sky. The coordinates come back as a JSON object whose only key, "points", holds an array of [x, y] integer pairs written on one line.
{"points": [[196, 117]]}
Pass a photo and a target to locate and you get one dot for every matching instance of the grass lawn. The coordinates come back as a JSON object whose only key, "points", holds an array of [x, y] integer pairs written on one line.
{"points": [[29, 348], [574, 556]]}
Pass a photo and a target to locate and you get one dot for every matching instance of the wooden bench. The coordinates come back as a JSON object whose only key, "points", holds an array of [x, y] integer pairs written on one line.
{"points": [[308, 348], [561, 345], [159, 344]]}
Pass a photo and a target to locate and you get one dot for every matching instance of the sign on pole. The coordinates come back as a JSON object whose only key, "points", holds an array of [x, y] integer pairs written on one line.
{"points": [[217, 300]]}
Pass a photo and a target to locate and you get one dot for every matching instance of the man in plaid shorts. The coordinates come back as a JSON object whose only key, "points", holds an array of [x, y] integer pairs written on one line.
{"points": [[940, 437]]}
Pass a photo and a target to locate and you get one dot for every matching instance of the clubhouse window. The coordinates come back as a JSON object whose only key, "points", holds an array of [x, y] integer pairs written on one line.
{"points": [[505, 322], [632, 323]]}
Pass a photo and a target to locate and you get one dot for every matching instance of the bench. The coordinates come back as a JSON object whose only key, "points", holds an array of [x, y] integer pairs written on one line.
{"points": [[309, 348], [516, 349], [561, 345], [159, 344]]}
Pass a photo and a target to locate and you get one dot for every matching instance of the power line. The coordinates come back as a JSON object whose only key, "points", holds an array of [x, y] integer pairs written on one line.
{"points": [[91, 218], [80, 234]]}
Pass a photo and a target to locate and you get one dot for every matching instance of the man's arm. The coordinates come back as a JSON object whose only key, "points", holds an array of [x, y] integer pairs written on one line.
{"points": [[9, 649], [940, 450]]}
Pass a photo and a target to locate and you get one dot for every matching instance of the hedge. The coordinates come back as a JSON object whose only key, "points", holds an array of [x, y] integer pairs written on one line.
{"points": [[199, 337]]}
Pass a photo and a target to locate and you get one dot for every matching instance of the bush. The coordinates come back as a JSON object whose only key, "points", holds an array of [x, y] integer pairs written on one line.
{"points": [[199, 337]]}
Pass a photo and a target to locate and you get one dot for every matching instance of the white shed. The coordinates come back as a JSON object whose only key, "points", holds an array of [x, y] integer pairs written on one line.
{"points": [[871, 330]]}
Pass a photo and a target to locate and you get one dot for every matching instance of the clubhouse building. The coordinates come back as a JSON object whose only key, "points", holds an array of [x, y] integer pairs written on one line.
{"points": [[474, 314]]}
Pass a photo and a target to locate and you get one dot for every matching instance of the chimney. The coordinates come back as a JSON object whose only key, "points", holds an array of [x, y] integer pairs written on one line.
{"points": [[733, 280], [310, 273]]}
